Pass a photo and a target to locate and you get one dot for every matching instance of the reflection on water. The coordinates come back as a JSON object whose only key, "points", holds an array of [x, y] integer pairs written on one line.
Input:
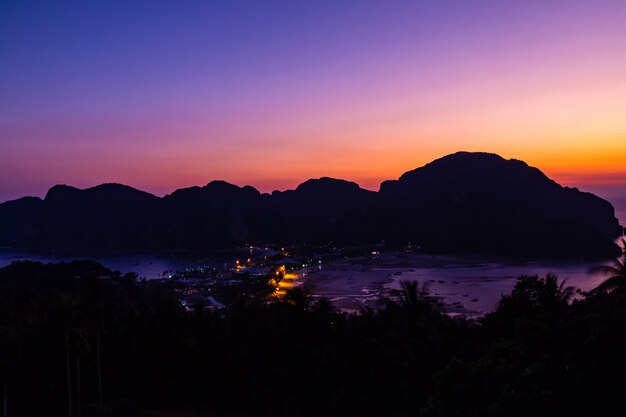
{"points": [[466, 285], [477, 289]]}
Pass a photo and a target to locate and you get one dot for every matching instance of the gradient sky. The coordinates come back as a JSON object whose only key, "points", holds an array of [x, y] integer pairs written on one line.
{"points": [[162, 95]]}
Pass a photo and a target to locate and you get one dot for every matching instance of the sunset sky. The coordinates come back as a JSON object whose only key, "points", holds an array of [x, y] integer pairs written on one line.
{"points": [[162, 95]]}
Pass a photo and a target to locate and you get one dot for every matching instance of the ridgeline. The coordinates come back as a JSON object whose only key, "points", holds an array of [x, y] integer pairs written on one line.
{"points": [[461, 203]]}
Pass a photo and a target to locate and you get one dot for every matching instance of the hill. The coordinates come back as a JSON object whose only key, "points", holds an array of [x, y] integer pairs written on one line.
{"points": [[461, 203]]}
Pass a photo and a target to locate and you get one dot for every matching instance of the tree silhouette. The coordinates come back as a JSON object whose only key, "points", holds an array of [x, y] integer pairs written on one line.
{"points": [[616, 272], [536, 354], [300, 297], [96, 308], [556, 292], [414, 298], [75, 342]]}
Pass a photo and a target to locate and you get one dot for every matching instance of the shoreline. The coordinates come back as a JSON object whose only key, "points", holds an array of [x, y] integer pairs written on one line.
{"points": [[469, 286]]}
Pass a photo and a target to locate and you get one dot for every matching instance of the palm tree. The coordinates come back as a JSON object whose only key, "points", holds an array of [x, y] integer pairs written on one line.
{"points": [[71, 323], [616, 272], [95, 288], [531, 292], [558, 292], [413, 298]]}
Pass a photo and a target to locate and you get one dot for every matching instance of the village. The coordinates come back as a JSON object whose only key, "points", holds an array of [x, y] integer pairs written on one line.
{"points": [[268, 273]]}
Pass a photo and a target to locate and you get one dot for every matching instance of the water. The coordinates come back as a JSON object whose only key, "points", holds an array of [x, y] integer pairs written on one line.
{"points": [[469, 286], [474, 289], [149, 266]]}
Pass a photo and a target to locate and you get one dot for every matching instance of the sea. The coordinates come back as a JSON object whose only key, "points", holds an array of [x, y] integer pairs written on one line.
{"points": [[467, 286], [146, 265]]}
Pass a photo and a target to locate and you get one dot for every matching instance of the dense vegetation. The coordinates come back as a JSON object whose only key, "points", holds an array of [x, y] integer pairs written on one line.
{"points": [[79, 340]]}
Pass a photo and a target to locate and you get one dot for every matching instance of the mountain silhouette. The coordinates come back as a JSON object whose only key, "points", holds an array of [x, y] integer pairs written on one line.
{"points": [[481, 202], [461, 203]]}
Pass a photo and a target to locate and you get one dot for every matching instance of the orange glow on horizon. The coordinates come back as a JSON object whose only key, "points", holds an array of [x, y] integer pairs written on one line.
{"points": [[544, 83]]}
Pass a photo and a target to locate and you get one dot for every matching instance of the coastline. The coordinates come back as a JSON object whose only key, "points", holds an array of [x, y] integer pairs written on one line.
{"points": [[469, 286]]}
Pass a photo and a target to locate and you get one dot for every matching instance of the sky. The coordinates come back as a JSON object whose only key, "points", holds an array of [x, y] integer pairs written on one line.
{"points": [[162, 95]]}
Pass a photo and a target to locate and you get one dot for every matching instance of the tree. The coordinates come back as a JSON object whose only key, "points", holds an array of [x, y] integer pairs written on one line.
{"points": [[557, 293], [300, 297], [617, 272], [71, 321], [534, 292], [414, 298], [95, 291]]}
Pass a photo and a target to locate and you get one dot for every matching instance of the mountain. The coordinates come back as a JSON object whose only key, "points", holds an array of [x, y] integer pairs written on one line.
{"points": [[321, 210], [461, 203], [106, 216], [216, 215], [480, 202]]}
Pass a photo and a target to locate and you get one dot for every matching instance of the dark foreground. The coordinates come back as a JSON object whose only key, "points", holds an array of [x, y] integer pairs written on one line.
{"points": [[79, 340]]}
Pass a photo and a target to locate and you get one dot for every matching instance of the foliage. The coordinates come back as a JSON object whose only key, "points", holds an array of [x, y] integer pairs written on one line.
{"points": [[616, 272], [537, 354]]}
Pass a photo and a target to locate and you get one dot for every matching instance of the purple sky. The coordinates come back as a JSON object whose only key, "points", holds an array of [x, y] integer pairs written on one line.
{"points": [[162, 95]]}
